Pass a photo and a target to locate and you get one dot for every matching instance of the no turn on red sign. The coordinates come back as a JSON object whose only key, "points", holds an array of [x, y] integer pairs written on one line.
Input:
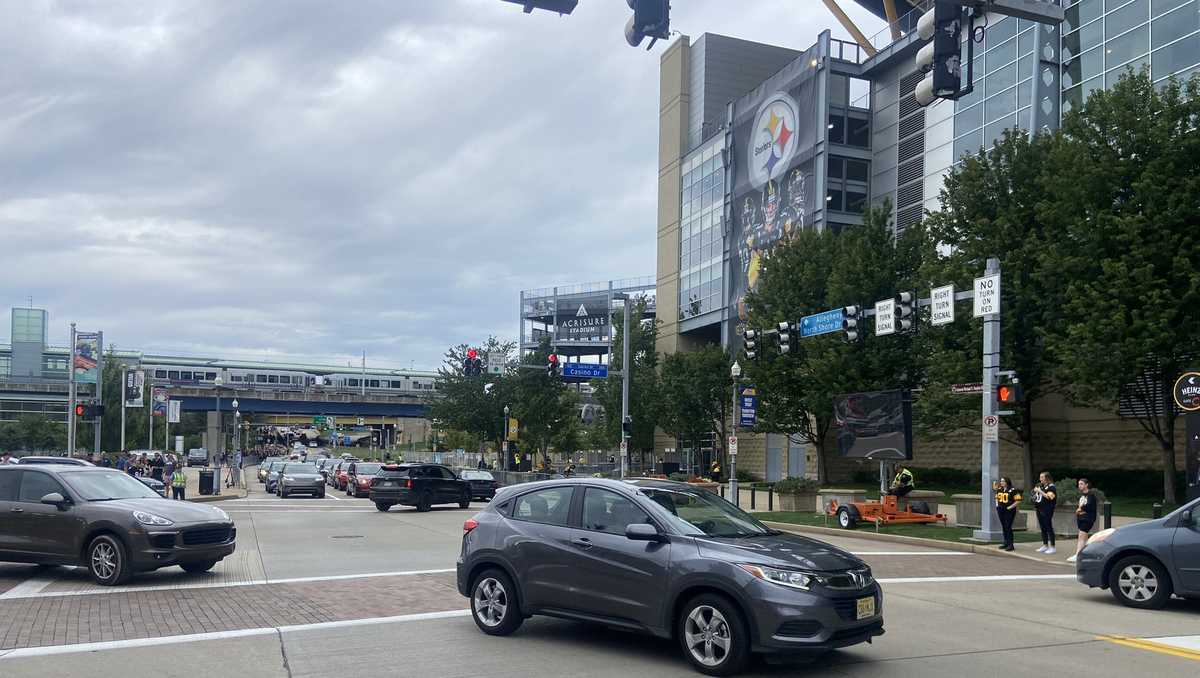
{"points": [[733, 445], [987, 295]]}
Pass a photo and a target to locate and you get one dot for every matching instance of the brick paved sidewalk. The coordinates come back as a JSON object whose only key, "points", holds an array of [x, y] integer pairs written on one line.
{"points": [[59, 620]]}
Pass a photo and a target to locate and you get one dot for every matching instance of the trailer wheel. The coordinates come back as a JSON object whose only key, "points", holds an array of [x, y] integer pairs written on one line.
{"points": [[845, 519], [920, 507]]}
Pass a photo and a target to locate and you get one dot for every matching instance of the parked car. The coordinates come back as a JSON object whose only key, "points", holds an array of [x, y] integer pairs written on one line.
{"points": [[324, 467], [419, 485], [264, 466], [197, 456], [483, 484], [668, 559], [273, 474], [358, 477], [1142, 564], [157, 485], [103, 520], [62, 461], [299, 477]]}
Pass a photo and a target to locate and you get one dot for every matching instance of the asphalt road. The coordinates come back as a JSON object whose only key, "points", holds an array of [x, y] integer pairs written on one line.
{"points": [[325, 587]]}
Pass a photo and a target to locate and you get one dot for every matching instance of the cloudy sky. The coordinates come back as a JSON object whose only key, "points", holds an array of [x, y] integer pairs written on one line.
{"points": [[311, 179]]}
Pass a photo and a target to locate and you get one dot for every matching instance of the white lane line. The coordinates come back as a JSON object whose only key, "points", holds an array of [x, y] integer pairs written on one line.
{"points": [[911, 553], [1191, 643], [332, 496], [221, 635], [230, 584], [27, 588], [988, 577], [328, 511]]}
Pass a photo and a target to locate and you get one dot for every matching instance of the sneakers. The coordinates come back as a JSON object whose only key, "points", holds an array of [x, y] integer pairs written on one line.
{"points": [[1042, 548], [1050, 549], [1072, 559]]}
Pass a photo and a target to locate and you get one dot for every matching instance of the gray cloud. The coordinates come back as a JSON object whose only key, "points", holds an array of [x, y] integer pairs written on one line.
{"points": [[314, 179]]}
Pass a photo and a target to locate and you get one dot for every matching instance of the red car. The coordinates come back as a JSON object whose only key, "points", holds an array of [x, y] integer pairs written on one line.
{"points": [[358, 478]]}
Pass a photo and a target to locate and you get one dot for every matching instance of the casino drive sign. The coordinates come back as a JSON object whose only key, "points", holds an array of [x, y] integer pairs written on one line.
{"points": [[1187, 391], [773, 142]]}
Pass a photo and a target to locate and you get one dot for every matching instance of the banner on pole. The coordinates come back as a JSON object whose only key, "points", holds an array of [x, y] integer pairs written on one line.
{"points": [[158, 401], [135, 384], [173, 411], [85, 359]]}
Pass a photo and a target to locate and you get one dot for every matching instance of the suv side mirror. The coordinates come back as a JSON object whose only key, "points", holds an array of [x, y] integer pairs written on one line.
{"points": [[642, 532], [55, 499]]}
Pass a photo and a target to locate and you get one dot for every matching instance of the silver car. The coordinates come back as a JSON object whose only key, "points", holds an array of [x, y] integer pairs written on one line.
{"points": [[300, 477]]}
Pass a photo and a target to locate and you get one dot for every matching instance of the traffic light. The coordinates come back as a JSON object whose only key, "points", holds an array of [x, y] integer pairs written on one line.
{"points": [[83, 411], [472, 365], [651, 18], [941, 59], [552, 366], [906, 308], [627, 427], [1009, 394], [852, 323], [750, 344], [785, 338]]}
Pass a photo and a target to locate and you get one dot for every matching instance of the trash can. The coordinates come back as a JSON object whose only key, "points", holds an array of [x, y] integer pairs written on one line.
{"points": [[206, 481]]}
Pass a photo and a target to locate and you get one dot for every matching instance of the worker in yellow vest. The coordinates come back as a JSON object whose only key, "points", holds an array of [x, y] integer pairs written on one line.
{"points": [[178, 484]]}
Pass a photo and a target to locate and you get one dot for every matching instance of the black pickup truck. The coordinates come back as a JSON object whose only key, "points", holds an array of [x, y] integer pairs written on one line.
{"points": [[419, 485]]}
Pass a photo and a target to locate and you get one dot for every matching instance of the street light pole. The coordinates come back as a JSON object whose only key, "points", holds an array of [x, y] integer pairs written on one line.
{"points": [[502, 453], [735, 371], [220, 440]]}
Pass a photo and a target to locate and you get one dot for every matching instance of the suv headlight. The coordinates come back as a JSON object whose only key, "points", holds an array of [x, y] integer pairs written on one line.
{"points": [[1101, 536], [791, 578], [288, 478], [150, 519]]}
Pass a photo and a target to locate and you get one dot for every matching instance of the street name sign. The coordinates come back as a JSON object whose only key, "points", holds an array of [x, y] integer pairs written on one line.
{"points": [[987, 295], [885, 317], [966, 389], [821, 323], [941, 305], [584, 371]]}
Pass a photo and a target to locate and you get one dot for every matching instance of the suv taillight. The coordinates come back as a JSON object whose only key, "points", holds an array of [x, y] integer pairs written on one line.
{"points": [[469, 525], [408, 484]]}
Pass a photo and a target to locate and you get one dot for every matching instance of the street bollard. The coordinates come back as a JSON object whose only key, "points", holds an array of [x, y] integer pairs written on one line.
{"points": [[1157, 510], [1107, 514], [771, 498], [752, 491], [722, 488]]}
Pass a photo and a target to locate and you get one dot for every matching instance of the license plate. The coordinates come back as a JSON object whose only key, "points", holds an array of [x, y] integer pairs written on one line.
{"points": [[388, 484], [866, 607]]}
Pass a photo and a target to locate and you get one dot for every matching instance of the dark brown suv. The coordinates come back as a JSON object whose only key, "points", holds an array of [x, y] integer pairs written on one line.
{"points": [[106, 521]]}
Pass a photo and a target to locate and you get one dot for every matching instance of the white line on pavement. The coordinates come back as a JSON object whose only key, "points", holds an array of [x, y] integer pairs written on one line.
{"points": [[220, 635], [27, 588], [987, 577], [217, 585], [911, 553]]}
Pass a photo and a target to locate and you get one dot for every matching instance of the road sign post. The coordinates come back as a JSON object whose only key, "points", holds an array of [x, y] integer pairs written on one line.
{"points": [[584, 371], [987, 306]]}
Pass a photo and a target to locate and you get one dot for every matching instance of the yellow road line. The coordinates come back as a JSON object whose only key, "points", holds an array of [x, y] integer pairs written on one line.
{"points": [[1153, 647]]}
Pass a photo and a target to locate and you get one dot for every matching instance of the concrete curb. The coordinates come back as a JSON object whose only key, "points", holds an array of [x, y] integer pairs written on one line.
{"points": [[206, 499], [982, 549]]}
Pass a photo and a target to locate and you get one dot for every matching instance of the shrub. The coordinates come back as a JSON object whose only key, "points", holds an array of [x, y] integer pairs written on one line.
{"points": [[797, 485], [744, 476], [679, 477], [1131, 482], [1068, 493]]}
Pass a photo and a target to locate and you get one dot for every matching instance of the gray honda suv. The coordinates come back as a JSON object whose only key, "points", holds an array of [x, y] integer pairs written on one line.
{"points": [[667, 559]]}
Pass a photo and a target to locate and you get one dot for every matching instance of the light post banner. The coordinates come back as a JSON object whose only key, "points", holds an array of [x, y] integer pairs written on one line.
{"points": [[135, 384], [158, 401], [173, 411], [86, 357]]}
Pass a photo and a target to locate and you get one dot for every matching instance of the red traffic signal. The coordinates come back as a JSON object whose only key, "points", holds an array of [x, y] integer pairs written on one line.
{"points": [[80, 410], [1007, 394], [552, 358], [472, 354]]}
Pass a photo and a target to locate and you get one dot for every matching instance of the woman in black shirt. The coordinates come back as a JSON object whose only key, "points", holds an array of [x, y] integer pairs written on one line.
{"points": [[1085, 516], [1045, 499], [1008, 499]]}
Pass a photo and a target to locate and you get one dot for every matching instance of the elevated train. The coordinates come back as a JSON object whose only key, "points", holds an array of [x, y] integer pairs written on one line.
{"points": [[395, 382]]}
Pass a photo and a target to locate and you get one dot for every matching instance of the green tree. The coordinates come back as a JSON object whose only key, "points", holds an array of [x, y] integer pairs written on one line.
{"points": [[989, 208], [543, 405], [38, 433], [1126, 185], [643, 386], [695, 392], [468, 404], [815, 272]]}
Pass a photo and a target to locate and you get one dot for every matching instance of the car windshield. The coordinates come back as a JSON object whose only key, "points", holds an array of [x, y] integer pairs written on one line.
{"points": [[106, 486], [300, 468], [367, 469], [700, 512], [476, 475]]}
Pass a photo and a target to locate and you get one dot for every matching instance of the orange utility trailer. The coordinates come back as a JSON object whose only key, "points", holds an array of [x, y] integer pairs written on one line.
{"points": [[885, 512]]}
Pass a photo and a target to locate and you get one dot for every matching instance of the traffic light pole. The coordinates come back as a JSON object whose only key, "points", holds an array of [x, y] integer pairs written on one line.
{"points": [[625, 372], [990, 463], [124, 387], [71, 397]]}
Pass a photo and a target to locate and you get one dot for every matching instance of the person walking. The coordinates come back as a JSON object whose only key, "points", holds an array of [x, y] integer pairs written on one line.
{"points": [[1085, 516], [122, 461], [168, 468], [7, 458], [714, 471], [1045, 500], [156, 467], [1008, 498], [179, 485]]}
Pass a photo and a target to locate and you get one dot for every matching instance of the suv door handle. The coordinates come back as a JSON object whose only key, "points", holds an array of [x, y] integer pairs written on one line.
{"points": [[582, 542], [17, 509]]}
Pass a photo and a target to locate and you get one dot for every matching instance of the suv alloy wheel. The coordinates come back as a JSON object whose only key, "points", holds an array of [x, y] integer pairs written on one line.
{"points": [[494, 604], [713, 636], [108, 561]]}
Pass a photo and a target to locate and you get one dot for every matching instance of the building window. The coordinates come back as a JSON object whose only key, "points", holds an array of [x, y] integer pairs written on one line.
{"points": [[260, 378], [352, 382], [173, 375], [160, 374], [701, 241], [847, 180]]}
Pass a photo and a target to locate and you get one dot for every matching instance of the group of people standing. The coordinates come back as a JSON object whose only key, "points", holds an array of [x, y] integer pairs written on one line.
{"points": [[1045, 501], [164, 468]]}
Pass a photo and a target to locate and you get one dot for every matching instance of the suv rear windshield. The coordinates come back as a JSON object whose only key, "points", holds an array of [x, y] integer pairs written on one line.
{"points": [[476, 475], [395, 471]]}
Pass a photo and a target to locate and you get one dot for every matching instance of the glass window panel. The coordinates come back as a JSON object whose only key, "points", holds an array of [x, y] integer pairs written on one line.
{"points": [[834, 200], [1176, 57], [1159, 7], [1115, 74], [994, 131], [1000, 31], [1081, 13], [838, 90], [1002, 79], [1117, 22], [1025, 93], [968, 144], [1026, 41], [1082, 68], [859, 133], [860, 93], [856, 201], [1126, 47], [1025, 67], [967, 120], [857, 170], [1001, 55], [1083, 40], [1175, 25], [836, 167], [1000, 105], [837, 129]]}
